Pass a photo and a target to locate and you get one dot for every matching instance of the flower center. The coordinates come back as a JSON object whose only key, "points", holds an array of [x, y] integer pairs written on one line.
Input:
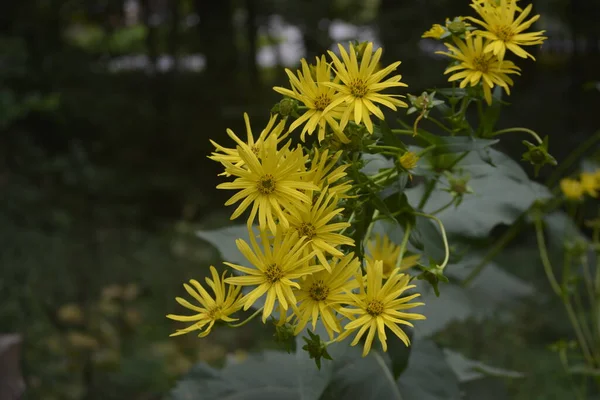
{"points": [[375, 308], [358, 88], [322, 101], [481, 63], [318, 291], [255, 149], [504, 33], [215, 313], [307, 229], [273, 273], [266, 184]]}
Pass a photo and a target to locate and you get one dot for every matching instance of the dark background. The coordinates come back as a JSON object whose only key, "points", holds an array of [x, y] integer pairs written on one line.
{"points": [[106, 110]]}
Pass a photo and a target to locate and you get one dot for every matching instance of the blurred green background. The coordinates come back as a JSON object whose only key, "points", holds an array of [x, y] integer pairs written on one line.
{"points": [[106, 108]]}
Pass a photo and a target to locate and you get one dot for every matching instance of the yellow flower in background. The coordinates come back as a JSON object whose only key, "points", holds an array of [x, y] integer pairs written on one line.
{"points": [[572, 188], [71, 313], [271, 183], [321, 293], [316, 226], [408, 161], [232, 156], [477, 66], [384, 250], [311, 91], [590, 184], [379, 305], [82, 341], [219, 307], [280, 261], [435, 32], [360, 86], [504, 31], [324, 172]]}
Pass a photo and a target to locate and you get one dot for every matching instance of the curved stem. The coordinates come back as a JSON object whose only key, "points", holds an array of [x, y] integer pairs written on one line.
{"points": [[250, 318], [525, 130], [430, 187], [419, 118], [371, 225], [444, 238], [539, 231], [378, 147], [403, 245], [426, 150], [442, 208]]}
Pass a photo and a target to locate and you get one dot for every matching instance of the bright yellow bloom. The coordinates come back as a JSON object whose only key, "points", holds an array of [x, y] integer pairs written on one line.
{"points": [[504, 31], [361, 86], [315, 225], [384, 250], [378, 305], [477, 66], [211, 309], [590, 184], [232, 155], [572, 188], [409, 160], [321, 293], [281, 261], [310, 90], [435, 32], [271, 183], [324, 172]]}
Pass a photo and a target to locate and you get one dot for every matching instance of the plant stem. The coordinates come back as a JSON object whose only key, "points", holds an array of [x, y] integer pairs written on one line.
{"points": [[371, 225], [403, 245], [250, 318], [419, 118], [525, 130], [444, 238], [439, 124], [545, 259], [442, 208], [430, 186]]}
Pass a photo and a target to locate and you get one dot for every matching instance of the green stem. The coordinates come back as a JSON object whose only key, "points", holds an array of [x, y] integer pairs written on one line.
{"points": [[572, 158], [419, 118], [504, 240], [426, 150], [525, 130], [403, 131], [403, 245], [545, 259], [371, 225], [580, 337], [480, 113], [430, 186], [442, 208], [378, 147], [439, 124], [562, 355], [350, 220], [250, 318], [444, 238]]}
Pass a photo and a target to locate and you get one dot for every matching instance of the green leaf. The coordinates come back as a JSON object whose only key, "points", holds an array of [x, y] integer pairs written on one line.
{"points": [[428, 376], [502, 194], [389, 138], [492, 113], [467, 370], [459, 144]]}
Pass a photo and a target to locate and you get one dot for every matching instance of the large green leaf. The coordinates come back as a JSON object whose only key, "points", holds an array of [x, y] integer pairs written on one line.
{"points": [[428, 376], [501, 195]]}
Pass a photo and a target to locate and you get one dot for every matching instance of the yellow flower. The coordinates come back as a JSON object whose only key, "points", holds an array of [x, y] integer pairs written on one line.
{"points": [[321, 293], [435, 32], [271, 183], [572, 188], [409, 160], [232, 155], [71, 313], [378, 306], [211, 309], [282, 261], [494, 3], [324, 172], [384, 250], [590, 184], [361, 86], [310, 90], [314, 224], [477, 66], [504, 31], [82, 341]]}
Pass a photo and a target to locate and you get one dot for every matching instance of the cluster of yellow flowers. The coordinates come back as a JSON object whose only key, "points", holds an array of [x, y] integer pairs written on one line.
{"points": [[301, 263], [480, 52], [588, 183]]}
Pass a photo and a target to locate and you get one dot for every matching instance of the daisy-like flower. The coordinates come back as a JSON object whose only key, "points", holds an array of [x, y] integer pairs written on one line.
{"points": [[232, 156], [323, 172], [314, 224], [272, 183], [378, 306], [572, 189], [321, 293], [384, 250], [277, 265], [495, 3], [476, 66], [219, 307], [309, 89], [435, 32], [590, 184], [504, 31], [361, 84]]}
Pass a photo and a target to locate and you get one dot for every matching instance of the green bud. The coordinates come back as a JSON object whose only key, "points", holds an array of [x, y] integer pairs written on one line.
{"points": [[287, 106], [316, 348], [284, 334], [538, 155], [433, 274]]}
